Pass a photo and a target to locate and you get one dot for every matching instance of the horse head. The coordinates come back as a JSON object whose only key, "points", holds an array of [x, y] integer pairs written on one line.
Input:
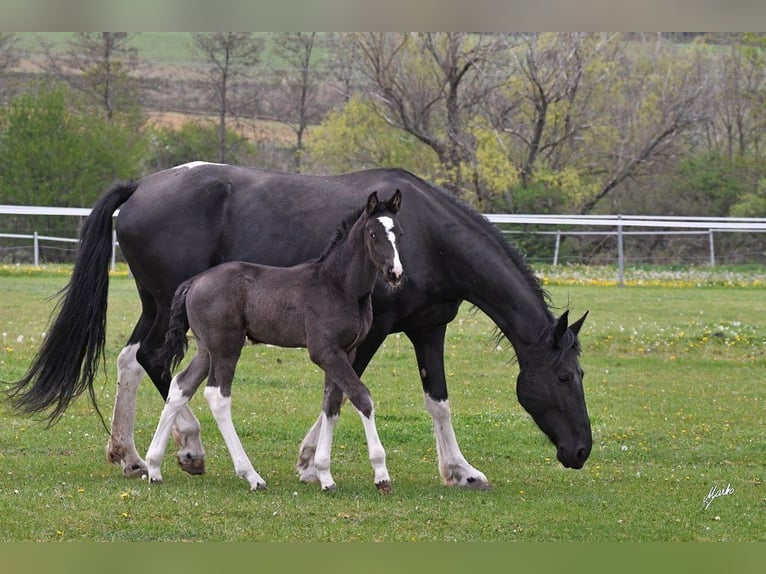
{"points": [[383, 236], [549, 387]]}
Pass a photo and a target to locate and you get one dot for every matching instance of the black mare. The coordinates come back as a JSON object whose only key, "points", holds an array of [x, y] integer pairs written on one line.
{"points": [[178, 222], [324, 305]]}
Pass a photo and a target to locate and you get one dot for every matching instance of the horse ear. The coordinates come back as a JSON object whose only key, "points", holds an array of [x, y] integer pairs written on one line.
{"points": [[395, 203], [561, 328], [372, 202], [577, 325]]}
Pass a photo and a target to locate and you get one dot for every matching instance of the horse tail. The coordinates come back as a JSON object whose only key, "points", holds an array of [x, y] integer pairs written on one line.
{"points": [[67, 361], [174, 347]]}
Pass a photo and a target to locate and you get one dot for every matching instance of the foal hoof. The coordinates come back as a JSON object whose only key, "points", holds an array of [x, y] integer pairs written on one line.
{"points": [[384, 487], [192, 464], [257, 487]]}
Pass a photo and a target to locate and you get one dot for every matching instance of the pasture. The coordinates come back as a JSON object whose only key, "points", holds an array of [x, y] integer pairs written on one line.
{"points": [[675, 389]]}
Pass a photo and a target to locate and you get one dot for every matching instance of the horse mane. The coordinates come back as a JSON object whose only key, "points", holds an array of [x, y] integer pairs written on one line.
{"points": [[513, 252]]}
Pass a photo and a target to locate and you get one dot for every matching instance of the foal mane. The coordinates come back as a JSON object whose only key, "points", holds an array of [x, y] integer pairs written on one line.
{"points": [[340, 233]]}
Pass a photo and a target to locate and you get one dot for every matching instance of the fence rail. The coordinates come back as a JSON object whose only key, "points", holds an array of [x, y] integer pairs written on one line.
{"points": [[618, 226]]}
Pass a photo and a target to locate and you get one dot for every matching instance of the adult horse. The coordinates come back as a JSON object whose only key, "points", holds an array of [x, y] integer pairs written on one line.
{"points": [[178, 222]]}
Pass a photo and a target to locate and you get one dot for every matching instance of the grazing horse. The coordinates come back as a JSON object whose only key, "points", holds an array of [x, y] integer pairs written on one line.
{"points": [[324, 305], [178, 222]]}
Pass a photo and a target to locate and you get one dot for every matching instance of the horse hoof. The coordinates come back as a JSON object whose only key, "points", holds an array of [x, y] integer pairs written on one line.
{"points": [[259, 486], [135, 470], [192, 464], [384, 487], [477, 483], [329, 488], [155, 480]]}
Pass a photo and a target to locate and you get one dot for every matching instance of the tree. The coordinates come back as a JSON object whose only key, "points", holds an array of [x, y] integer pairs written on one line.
{"points": [[297, 77], [227, 58], [194, 141], [357, 137], [102, 63], [9, 56], [56, 150], [429, 84]]}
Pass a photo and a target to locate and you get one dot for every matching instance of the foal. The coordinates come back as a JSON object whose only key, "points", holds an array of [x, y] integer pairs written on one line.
{"points": [[323, 305]]}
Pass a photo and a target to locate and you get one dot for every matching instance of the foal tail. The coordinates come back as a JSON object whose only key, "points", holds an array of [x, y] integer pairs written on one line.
{"points": [[67, 361], [176, 343]]}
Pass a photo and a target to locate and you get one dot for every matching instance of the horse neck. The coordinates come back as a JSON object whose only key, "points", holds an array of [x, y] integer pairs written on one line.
{"points": [[349, 265], [500, 285]]}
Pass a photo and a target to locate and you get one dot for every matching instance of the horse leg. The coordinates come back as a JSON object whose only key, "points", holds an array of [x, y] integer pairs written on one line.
{"points": [[218, 397], [121, 449], [182, 388], [306, 452], [453, 467]]}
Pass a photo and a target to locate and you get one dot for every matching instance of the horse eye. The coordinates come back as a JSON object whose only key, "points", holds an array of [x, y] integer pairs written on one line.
{"points": [[372, 234], [565, 379]]}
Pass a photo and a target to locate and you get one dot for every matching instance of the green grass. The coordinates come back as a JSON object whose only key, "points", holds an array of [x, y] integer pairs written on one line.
{"points": [[675, 390]]}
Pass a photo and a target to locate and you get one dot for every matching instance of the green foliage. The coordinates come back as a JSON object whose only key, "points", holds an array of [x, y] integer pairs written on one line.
{"points": [[357, 136], [751, 203], [196, 141], [56, 151]]}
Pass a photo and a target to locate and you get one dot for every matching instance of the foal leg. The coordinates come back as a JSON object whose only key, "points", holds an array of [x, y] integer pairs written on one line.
{"points": [[182, 388], [363, 355], [333, 398], [220, 406], [338, 370]]}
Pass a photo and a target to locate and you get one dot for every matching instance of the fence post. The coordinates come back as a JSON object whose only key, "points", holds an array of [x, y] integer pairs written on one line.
{"points": [[556, 248], [712, 247], [620, 254], [36, 245]]}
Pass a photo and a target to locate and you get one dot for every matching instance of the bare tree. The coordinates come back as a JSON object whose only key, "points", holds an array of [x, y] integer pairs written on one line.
{"points": [[228, 58], [429, 84], [9, 56], [546, 104], [659, 96], [297, 75], [99, 64]]}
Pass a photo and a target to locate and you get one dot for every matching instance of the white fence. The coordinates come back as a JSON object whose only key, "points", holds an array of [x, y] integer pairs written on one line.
{"points": [[618, 226]]}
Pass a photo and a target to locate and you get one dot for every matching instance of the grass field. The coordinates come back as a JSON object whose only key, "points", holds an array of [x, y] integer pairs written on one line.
{"points": [[675, 390]]}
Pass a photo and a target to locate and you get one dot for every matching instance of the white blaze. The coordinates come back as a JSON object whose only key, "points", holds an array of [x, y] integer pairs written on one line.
{"points": [[388, 225]]}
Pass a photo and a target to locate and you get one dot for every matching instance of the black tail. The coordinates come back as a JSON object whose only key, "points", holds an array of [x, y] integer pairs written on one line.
{"points": [[67, 361], [176, 343]]}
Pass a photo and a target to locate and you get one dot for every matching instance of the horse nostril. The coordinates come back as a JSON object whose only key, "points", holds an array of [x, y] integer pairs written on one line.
{"points": [[582, 454]]}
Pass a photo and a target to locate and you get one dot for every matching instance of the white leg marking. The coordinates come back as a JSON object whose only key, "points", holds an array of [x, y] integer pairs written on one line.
{"points": [[376, 451], [453, 467], [388, 225], [221, 408], [121, 447], [307, 471], [322, 455], [187, 434], [176, 400]]}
